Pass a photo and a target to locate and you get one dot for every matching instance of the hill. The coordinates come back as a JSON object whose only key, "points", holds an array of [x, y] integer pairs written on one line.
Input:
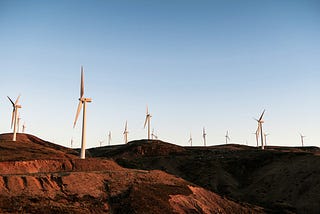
{"points": [[40, 177], [29, 147], [280, 179]]}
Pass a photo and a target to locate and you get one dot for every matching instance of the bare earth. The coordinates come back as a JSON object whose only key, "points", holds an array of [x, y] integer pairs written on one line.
{"points": [[279, 179], [40, 177]]}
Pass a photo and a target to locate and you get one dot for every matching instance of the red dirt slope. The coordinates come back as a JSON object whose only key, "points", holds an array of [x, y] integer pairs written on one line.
{"points": [[31, 181], [29, 147]]}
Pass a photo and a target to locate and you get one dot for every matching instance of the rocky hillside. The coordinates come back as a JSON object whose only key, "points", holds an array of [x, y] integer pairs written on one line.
{"points": [[40, 177], [280, 179]]}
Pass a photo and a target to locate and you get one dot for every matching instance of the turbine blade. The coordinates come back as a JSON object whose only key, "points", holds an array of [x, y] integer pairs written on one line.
{"points": [[17, 100], [78, 112], [262, 115], [11, 101], [145, 122], [82, 83]]}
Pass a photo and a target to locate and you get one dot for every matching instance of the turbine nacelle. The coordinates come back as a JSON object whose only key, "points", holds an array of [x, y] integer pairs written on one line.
{"points": [[87, 100]]}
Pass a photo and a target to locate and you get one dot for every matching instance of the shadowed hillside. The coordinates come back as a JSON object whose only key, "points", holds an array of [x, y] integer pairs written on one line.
{"points": [[281, 179], [40, 177]]}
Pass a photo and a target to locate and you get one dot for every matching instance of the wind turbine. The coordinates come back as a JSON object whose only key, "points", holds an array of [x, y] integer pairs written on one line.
{"points": [[71, 142], [148, 118], [257, 135], [302, 139], [23, 127], [227, 137], [125, 133], [265, 138], [260, 122], [18, 123], [204, 134], [109, 138], [190, 140], [82, 101], [14, 117], [153, 136]]}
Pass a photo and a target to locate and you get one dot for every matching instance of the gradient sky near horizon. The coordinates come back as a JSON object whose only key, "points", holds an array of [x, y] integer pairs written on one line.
{"points": [[214, 64]]}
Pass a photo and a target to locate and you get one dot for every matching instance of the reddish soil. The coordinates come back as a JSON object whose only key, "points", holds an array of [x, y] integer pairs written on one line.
{"points": [[41, 177], [280, 179], [29, 147]]}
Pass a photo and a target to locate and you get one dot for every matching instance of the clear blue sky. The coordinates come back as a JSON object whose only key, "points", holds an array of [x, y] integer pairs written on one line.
{"points": [[195, 63]]}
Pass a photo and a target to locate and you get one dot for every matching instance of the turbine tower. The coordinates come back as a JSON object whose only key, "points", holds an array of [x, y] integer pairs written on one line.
{"points": [[148, 118], [260, 122], [125, 133], [302, 139], [204, 134], [190, 140], [14, 117], [109, 138], [82, 101], [227, 137], [257, 135]]}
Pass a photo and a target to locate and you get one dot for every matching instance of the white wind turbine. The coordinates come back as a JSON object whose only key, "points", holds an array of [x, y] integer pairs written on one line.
{"points": [[204, 135], [227, 137], [302, 139], [260, 122], [14, 117], [125, 133], [109, 138], [148, 118], [190, 140], [82, 101]]}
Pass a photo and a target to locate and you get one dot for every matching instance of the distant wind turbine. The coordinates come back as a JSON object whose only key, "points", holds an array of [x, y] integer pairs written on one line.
{"points": [[147, 121], [190, 140], [24, 127], [265, 138], [109, 138], [227, 137], [125, 133], [302, 139], [204, 135], [71, 142], [260, 122], [82, 101], [18, 123], [14, 117], [153, 135]]}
